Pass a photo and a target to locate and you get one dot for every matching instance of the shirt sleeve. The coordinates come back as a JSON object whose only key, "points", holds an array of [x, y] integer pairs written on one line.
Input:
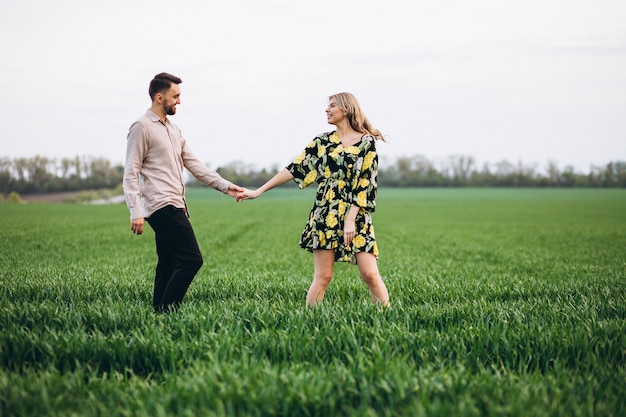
{"points": [[364, 186], [136, 148], [199, 170], [304, 167]]}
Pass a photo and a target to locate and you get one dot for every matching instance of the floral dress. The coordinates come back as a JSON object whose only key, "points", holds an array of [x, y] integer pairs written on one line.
{"points": [[344, 176]]}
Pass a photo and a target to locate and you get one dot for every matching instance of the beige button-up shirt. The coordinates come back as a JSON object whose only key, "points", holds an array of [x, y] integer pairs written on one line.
{"points": [[156, 154]]}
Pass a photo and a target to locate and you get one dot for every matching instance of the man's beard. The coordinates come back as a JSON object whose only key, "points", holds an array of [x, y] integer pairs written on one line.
{"points": [[170, 110]]}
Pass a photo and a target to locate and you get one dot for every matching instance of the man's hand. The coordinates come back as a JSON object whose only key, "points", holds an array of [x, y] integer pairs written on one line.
{"points": [[136, 225], [234, 189]]}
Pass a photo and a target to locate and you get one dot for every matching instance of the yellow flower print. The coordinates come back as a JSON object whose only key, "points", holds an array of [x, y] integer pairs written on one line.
{"points": [[331, 220], [353, 150], [343, 206], [364, 182], [341, 184], [329, 234], [321, 151], [310, 177], [321, 237], [361, 199], [327, 172], [369, 158], [300, 158], [334, 138], [330, 194], [335, 153], [358, 241]]}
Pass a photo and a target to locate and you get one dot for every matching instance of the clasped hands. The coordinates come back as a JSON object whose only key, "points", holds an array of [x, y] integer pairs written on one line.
{"points": [[242, 193], [246, 194]]}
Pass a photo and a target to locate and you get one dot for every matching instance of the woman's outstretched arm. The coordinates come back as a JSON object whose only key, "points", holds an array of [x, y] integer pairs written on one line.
{"points": [[282, 177]]}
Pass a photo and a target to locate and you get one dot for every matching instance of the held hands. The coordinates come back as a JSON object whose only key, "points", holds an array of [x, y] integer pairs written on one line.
{"points": [[234, 190], [247, 195], [241, 193]]}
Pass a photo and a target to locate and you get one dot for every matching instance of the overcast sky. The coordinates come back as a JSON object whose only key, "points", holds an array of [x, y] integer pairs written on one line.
{"points": [[517, 80]]}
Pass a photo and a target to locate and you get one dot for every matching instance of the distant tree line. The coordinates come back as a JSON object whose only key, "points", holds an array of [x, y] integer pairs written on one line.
{"points": [[463, 171], [458, 171], [40, 175], [44, 175]]}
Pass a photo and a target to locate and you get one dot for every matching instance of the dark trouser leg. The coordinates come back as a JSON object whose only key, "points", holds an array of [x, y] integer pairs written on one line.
{"points": [[179, 257]]}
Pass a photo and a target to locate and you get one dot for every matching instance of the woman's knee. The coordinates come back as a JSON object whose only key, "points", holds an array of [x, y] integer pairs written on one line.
{"points": [[371, 277], [368, 268], [324, 261], [323, 277]]}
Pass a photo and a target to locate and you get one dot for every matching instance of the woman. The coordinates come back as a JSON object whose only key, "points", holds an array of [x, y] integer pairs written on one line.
{"points": [[344, 164]]}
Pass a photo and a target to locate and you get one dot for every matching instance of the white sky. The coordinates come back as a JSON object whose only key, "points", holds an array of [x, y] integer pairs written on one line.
{"points": [[517, 80]]}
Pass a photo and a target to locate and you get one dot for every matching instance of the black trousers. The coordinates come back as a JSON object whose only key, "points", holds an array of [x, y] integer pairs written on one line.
{"points": [[179, 257]]}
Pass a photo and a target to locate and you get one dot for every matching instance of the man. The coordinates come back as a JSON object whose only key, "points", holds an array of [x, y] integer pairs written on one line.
{"points": [[154, 189]]}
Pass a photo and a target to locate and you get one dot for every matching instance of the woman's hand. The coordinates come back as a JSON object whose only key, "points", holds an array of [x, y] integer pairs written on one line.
{"points": [[349, 229], [247, 195]]}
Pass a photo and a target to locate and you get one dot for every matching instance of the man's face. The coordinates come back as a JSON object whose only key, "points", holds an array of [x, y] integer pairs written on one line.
{"points": [[171, 99]]}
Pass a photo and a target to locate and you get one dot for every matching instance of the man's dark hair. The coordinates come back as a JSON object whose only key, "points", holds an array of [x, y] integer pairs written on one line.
{"points": [[161, 83]]}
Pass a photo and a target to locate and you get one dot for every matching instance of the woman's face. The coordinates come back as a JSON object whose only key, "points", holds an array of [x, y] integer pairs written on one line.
{"points": [[334, 114]]}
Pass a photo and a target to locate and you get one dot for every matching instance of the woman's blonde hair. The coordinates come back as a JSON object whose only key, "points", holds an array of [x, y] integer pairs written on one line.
{"points": [[348, 103]]}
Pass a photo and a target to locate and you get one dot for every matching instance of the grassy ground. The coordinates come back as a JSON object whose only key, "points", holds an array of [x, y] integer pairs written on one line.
{"points": [[505, 302]]}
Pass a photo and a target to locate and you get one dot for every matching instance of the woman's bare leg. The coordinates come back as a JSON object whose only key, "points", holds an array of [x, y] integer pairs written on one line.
{"points": [[368, 269], [324, 261]]}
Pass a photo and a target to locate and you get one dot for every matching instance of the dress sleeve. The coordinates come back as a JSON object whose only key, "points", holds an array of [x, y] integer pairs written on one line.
{"points": [[365, 185], [304, 167]]}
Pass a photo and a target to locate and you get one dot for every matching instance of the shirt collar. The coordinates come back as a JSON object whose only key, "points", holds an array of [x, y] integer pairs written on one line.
{"points": [[155, 118]]}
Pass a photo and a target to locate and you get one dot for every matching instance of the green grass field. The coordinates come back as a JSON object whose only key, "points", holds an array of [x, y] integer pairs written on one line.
{"points": [[504, 302]]}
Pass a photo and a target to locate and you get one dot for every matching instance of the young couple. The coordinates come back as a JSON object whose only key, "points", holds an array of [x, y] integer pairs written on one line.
{"points": [[343, 163]]}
